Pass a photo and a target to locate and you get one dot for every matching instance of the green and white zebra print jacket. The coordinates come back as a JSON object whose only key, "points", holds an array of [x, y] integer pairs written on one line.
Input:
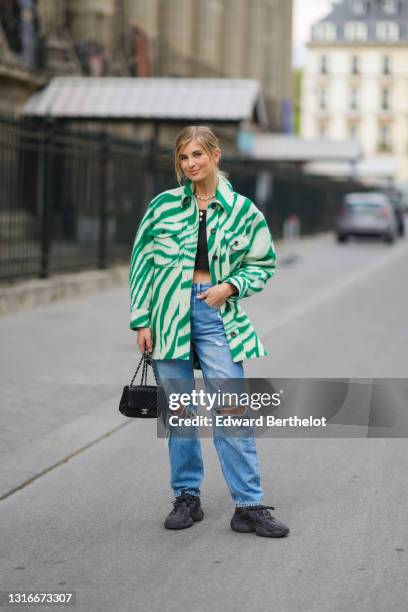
{"points": [[240, 252]]}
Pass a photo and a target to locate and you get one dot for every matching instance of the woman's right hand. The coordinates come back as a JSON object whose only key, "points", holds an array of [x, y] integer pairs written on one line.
{"points": [[144, 339]]}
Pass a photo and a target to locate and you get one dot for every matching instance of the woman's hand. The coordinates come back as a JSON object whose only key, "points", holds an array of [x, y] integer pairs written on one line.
{"points": [[217, 296], [144, 339]]}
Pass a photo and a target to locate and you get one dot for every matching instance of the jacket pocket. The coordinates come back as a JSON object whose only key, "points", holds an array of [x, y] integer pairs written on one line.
{"points": [[237, 242], [237, 246], [166, 243]]}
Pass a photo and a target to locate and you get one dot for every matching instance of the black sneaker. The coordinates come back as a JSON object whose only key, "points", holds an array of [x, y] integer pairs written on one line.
{"points": [[258, 519], [186, 511]]}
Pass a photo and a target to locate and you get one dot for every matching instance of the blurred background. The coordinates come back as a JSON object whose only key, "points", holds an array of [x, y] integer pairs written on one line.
{"points": [[308, 98]]}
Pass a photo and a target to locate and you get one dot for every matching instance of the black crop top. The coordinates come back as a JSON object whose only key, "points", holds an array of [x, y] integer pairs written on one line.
{"points": [[201, 261]]}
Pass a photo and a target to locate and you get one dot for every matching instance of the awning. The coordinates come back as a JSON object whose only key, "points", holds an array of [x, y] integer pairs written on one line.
{"points": [[149, 99]]}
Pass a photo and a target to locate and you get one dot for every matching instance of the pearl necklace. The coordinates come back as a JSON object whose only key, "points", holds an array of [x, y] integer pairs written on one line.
{"points": [[205, 197]]}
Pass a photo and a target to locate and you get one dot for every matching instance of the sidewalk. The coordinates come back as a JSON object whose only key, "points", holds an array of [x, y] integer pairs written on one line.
{"points": [[37, 292], [61, 370]]}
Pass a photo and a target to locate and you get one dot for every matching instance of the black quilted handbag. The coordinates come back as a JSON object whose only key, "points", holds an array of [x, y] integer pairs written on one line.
{"points": [[141, 401]]}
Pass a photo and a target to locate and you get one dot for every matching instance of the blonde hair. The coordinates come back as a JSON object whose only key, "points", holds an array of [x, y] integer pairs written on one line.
{"points": [[202, 134]]}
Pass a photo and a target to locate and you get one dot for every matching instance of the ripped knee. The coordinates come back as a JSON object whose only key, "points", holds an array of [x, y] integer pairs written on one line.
{"points": [[180, 411]]}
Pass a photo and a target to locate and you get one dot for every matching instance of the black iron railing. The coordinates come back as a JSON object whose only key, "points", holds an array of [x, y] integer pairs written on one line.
{"points": [[68, 201], [73, 200]]}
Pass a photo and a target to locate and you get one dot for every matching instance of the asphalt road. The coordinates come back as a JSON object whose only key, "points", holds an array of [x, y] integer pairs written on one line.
{"points": [[91, 519]]}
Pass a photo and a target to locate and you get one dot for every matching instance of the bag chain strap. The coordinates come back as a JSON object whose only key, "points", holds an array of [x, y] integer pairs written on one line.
{"points": [[146, 360]]}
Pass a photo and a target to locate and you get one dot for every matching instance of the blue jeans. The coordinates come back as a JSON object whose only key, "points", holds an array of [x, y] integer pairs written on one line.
{"points": [[237, 455]]}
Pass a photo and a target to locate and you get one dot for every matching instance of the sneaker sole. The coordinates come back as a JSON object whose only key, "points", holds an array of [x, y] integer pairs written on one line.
{"points": [[195, 519], [272, 534], [241, 527]]}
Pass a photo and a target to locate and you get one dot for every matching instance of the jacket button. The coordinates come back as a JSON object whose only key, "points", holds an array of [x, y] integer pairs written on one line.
{"points": [[233, 334], [213, 230], [215, 257]]}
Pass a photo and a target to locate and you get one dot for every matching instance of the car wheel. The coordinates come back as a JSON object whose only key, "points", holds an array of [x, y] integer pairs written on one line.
{"points": [[342, 238], [389, 238]]}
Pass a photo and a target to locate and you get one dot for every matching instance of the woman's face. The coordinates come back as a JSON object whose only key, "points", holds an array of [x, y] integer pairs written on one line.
{"points": [[195, 162]]}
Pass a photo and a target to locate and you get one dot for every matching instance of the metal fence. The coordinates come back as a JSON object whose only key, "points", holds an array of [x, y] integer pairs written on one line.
{"points": [[68, 201], [72, 200]]}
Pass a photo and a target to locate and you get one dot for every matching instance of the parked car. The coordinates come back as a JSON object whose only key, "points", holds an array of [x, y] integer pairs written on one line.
{"points": [[395, 198], [366, 214]]}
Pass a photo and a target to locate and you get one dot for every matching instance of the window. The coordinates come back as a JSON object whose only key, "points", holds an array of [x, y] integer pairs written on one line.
{"points": [[387, 30], [355, 30], [386, 64], [354, 99], [325, 31], [390, 6], [359, 7], [355, 65], [353, 130], [384, 140], [323, 99], [385, 99], [323, 64]]}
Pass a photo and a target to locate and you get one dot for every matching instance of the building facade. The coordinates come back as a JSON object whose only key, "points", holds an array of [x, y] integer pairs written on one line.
{"points": [[222, 38], [185, 38], [355, 83]]}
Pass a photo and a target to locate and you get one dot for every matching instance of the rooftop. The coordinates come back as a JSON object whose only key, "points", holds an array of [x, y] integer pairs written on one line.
{"points": [[366, 12]]}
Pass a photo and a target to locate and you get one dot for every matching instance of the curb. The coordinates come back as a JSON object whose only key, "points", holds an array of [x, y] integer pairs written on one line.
{"points": [[38, 292]]}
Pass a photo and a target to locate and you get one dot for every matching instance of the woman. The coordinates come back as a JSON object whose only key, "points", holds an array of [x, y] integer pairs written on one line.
{"points": [[199, 249]]}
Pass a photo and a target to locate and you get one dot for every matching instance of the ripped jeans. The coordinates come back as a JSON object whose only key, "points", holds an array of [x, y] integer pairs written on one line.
{"points": [[237, 454]]}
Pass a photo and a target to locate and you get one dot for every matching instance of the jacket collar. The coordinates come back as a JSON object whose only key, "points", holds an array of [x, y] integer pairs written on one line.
{"points": [[224, 196]]}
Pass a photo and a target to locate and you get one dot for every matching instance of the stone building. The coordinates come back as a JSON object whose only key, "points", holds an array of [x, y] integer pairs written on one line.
{"points": [[223, 38], [356, 79], [186, 38]]}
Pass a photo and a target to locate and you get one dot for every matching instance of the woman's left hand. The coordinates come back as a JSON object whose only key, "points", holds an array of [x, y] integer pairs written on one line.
{"points": [[217, 296]]}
